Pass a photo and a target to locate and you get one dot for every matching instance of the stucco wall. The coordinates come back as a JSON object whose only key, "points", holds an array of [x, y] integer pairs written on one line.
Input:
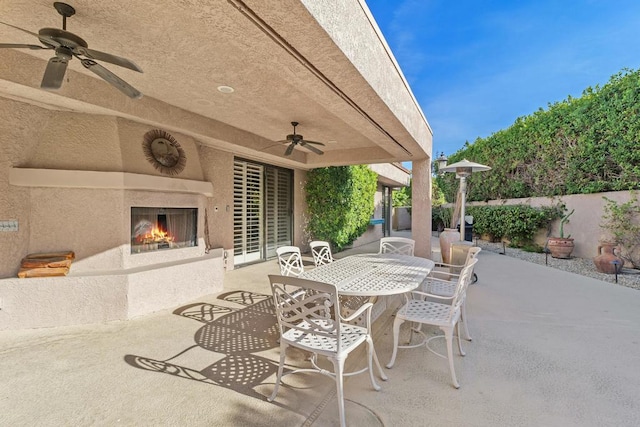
{"points": [[106, 281], [217, 167], [584, 224], [94, 223], [401, 218], [21, 128], [300, 238]]}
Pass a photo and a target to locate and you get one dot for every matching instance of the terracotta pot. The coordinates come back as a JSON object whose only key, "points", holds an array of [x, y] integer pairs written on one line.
{"points": [[560, 247], [448, 236], [605, 258]]}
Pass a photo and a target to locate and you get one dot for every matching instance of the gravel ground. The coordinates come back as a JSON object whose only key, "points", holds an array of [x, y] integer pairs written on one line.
{"points": [[629, 277]]}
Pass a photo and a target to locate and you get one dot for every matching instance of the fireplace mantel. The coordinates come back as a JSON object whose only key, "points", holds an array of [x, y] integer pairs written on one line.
{"points": [[27, 177]]}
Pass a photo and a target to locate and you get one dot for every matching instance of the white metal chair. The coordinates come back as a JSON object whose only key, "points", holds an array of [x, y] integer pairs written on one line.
{"points": [[321, 252], [429, 309], [443, 283], [290, 260], [397, 245], [311, 321]]}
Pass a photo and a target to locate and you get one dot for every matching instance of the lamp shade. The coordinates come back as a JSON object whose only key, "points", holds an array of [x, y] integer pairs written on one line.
{"points": [[465, 168]]}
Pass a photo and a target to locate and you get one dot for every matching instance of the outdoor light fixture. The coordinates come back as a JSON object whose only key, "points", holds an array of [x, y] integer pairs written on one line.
{"points": [[441, 162], [463, 169]]}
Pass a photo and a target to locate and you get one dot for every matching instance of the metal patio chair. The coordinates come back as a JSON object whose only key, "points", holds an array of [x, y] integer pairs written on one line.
{"points": [[443, 283], [321, 252], [430, 309], [290, 260], [311, 321], [397, 245]]}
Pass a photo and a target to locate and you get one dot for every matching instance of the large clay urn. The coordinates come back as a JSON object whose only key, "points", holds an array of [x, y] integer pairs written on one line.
{"points": [[604, 261], [560, 247], [448, 236]]}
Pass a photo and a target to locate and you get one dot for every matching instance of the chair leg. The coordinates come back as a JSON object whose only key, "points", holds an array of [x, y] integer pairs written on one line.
{"points": [[464, 321], [396, 336], [462, 353], [338, 368], [448, 334], [283, 349], [371, 355]]}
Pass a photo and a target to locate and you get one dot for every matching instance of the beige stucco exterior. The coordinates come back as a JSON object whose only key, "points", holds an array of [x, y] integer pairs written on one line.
{"points": [[72, 166]]}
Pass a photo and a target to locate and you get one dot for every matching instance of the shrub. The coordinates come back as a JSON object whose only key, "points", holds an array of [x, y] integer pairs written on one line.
{"points": [[518, 223], [340, 203]]}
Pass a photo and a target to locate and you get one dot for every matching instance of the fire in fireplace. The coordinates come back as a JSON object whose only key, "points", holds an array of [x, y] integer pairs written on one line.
{"points": [[154, 229]]}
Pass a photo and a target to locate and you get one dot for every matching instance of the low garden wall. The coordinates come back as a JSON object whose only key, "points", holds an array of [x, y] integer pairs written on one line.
{"points": [[584, 223]]}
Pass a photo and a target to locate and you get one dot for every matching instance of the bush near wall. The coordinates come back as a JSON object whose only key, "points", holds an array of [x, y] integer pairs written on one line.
{"points": [[340, 202], [578, 146], [517, 223]]}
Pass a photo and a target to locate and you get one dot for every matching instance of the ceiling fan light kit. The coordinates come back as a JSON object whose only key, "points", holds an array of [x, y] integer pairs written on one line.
{"points": [[67, 45], [296, 139]]}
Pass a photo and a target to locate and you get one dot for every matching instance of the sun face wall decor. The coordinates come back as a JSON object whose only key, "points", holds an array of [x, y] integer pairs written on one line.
{"points": [[163, 151]]}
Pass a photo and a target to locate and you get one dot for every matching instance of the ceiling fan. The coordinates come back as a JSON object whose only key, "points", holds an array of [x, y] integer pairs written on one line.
{"points": [[297, 139], [66, 46]]}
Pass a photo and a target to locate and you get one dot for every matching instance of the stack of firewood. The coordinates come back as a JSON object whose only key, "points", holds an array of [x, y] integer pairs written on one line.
{"points": [[46, 264]]}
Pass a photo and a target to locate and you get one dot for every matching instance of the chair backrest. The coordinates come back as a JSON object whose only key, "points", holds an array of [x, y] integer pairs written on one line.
{"points": [[315, 310], [290, 260], [397, 245], [472, 253], [321, 252], [466, 275]]}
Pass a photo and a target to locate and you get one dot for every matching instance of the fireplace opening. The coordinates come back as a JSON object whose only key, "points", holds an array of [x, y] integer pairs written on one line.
{"points": [[154, 229]]}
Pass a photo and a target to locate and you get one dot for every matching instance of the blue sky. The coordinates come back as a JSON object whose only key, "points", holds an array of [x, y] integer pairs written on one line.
{"points": [[476, 66]]}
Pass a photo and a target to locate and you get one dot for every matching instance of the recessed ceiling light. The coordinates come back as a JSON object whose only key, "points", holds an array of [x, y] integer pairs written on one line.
{"points": [[332, 141], [226, 89]]}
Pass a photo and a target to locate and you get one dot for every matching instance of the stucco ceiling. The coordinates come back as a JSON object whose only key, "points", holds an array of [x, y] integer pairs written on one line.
{"points": [[286, 62]]}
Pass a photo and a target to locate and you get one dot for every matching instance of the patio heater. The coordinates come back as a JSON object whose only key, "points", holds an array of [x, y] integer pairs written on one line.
{"points": [[463, 169]]}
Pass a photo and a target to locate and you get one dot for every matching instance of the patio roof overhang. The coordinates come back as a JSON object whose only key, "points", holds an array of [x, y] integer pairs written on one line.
{"points": [[322, 64]]}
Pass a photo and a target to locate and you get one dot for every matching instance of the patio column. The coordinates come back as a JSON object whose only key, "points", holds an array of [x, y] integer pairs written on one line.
{"points": [[421, 207]]}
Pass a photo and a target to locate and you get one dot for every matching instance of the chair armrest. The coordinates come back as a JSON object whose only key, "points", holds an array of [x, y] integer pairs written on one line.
{"points": [[358, 312], [442, 264], [437, 280], [428, 295], [433, 273]]}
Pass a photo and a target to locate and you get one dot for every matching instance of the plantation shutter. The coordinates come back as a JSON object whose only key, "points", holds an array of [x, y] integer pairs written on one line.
{"points": [[278, 209], [247, 211]]}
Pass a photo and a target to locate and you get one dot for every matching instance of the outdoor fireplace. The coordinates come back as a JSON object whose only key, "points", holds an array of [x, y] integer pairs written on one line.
{"points": [[154, 229]]}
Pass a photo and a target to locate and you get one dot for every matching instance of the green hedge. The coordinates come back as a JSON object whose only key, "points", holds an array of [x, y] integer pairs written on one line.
{"points": [[518, 223], [340, 203], [577, 146]]}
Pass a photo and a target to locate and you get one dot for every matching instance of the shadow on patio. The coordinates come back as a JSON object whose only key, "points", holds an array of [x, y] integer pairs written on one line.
{"points": [[550, 348]]}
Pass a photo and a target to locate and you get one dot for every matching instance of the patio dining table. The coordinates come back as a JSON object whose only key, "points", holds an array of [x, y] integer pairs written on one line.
{"points": [[373, 275]]}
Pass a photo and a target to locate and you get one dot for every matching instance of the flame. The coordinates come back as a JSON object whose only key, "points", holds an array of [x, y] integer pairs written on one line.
{"points": [[156, 235]]}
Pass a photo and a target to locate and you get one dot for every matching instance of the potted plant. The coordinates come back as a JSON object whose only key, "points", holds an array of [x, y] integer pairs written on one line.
{"points": [[561, 247], [447, 234], [621, 225]]}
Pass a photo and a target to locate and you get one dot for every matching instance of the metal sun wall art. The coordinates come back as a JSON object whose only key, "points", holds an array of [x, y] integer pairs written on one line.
{"points": [[163, 151]]}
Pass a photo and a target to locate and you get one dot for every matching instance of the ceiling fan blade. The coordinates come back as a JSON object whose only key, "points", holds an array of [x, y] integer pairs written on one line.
{"points": [[111, 78], [112, 59], [313, 142], [309, 147], [54, 73], [22, 46], [21, 29], [289, 150]]}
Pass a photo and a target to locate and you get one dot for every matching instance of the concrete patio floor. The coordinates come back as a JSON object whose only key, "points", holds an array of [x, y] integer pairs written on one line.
{"points": [[549, 348]]}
